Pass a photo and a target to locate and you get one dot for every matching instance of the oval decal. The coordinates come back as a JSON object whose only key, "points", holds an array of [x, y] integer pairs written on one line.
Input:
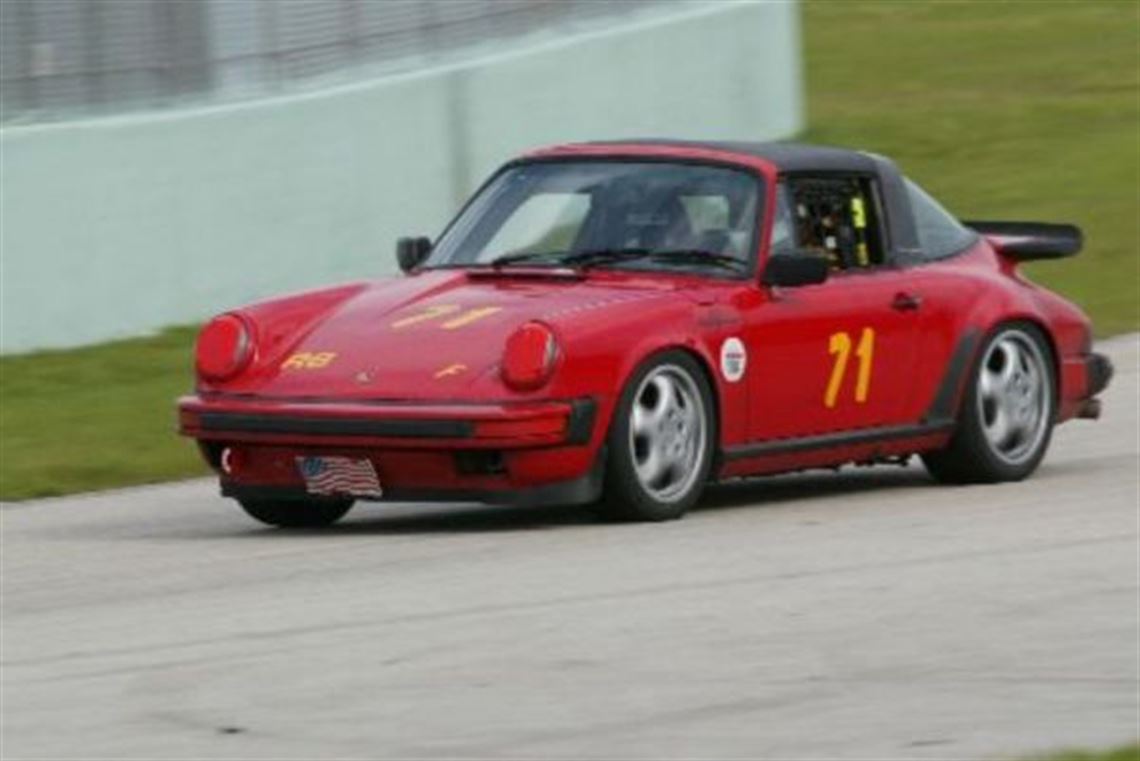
{"points": [[733, 359]]}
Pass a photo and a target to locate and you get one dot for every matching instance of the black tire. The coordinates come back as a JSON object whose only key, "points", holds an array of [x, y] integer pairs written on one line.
{"points": [[971, 456], [625, 497], [296, 513]]}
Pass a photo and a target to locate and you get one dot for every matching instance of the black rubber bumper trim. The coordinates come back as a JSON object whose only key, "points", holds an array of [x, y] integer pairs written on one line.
{"points": [[831, 440], [1099, 373], [580, 426], [336, 426]]}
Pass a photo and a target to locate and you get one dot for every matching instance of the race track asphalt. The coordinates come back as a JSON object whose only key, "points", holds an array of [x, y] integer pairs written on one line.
{"points": [[868, 614]]}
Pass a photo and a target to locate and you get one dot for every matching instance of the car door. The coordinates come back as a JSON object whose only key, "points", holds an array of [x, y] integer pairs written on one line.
{"points": [[836, 356], [950, 295]]}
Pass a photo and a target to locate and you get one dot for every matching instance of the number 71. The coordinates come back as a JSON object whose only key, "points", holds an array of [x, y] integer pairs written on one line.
{"points": [[840, 346]]}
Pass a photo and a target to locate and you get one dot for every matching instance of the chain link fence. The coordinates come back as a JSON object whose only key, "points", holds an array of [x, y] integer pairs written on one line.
{"points": [[67, 58]]}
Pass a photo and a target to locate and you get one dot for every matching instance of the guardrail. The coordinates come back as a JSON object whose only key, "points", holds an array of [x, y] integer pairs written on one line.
{"points": [[63, 58]]}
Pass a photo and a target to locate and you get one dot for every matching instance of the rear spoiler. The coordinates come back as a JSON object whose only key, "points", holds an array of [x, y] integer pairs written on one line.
{"points": [[1026, 241]]}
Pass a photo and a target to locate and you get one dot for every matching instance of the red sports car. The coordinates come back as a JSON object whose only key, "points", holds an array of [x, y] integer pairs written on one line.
{"points": [[618, 324]]}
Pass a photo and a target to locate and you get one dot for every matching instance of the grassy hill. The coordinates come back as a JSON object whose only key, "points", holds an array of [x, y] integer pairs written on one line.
{"points": [[1003, 111]]}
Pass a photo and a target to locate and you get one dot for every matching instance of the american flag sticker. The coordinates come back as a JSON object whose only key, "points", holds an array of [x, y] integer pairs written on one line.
{"points": [[346, 476]]}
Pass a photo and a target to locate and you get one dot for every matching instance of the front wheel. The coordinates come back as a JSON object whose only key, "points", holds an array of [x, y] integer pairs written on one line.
{"points": [[660, 444], [1007, 414], [296, 513]]}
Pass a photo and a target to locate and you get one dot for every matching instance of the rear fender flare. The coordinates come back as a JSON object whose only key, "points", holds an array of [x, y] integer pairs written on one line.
{"points": [[947, 403]]}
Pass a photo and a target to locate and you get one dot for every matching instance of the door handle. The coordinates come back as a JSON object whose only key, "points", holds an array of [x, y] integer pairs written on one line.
{"points": [[906, 302]]}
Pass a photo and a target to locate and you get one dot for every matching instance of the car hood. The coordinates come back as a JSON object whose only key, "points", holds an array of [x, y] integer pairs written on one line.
{"points": [[436, 335]]}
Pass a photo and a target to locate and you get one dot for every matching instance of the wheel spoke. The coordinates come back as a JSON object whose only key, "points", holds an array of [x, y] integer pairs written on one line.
{"points": [[990, 384], [1013, 364], [666, 398], [1033, 382], [1029, 422], [641, 421], [689, 419], [650, 469], [688, 451], [999, 430]]}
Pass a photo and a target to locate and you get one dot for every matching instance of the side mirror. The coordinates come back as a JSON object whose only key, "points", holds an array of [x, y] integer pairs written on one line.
{"points": [[799, 268], [410, 252]]}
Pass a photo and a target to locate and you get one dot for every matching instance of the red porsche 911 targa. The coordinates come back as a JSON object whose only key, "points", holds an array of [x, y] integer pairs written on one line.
{"points": [[618, 324]]}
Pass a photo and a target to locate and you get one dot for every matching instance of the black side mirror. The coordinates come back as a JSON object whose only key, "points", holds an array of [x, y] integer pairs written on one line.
{"points": [[799, 268], [410, 252]]}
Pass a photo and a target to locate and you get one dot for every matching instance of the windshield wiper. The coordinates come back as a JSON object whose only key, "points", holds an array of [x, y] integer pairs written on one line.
{"points": [[603, 256], [525, 256], [678, 256], [698, 257]]}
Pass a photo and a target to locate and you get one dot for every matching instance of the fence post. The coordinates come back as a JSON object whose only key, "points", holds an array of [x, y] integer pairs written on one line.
{"points": [[93, 52]]}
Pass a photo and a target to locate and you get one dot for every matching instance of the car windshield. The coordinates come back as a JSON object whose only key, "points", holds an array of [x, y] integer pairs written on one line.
{"points": [[629, 214]]}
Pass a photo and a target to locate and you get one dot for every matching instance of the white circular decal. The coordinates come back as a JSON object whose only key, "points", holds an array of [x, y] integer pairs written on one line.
{"points": [[733, 359]]}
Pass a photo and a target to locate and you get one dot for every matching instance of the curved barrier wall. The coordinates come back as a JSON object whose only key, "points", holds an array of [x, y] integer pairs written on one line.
{"points": [[119, 226]]}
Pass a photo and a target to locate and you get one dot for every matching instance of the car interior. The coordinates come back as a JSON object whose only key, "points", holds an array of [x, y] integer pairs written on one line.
{"points": [[834, 217]]}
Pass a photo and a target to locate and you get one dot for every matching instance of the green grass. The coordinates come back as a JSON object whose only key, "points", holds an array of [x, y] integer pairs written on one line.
{"points": [[1004, 111], [95, 417], [1123, 753]]}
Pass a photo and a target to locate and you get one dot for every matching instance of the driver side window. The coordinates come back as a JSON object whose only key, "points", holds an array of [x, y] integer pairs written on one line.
{"points": [[834, 217]]}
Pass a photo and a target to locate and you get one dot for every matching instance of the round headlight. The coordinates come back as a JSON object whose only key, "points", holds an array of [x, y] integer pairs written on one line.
{"points": [[225, 347], [528, 360]]}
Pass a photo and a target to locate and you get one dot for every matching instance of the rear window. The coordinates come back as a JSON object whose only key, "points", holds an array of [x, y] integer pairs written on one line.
{"points": [[939, 233]]}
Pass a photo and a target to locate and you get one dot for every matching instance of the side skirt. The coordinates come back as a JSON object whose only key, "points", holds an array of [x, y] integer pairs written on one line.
{"points": [[832, 449]]}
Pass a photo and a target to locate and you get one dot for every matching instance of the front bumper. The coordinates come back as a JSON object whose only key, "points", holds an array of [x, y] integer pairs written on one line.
{"points": [[515, 453]]}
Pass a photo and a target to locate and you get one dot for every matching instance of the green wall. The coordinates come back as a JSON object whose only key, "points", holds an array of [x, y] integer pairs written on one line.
{"points": [[119, 226]]}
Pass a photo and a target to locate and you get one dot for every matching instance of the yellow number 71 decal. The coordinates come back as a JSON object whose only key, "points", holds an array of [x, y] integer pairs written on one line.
{"points": [[840, 346], [308, 360], [458, 317]]}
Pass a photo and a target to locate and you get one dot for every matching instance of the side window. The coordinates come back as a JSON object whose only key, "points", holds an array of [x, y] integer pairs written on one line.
{"points": [[838, 217], [939, 233]]}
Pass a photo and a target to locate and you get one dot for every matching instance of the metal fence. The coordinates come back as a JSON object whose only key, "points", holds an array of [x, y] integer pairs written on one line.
{"points": [[64, 58]]}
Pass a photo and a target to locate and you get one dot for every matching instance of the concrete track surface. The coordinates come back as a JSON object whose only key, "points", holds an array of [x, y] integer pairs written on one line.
{"points": [[867, 614]]}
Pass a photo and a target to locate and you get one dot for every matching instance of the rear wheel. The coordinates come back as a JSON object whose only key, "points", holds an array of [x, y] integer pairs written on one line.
{"points": [[1007, 414], [660, 444], [296, 513]]}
